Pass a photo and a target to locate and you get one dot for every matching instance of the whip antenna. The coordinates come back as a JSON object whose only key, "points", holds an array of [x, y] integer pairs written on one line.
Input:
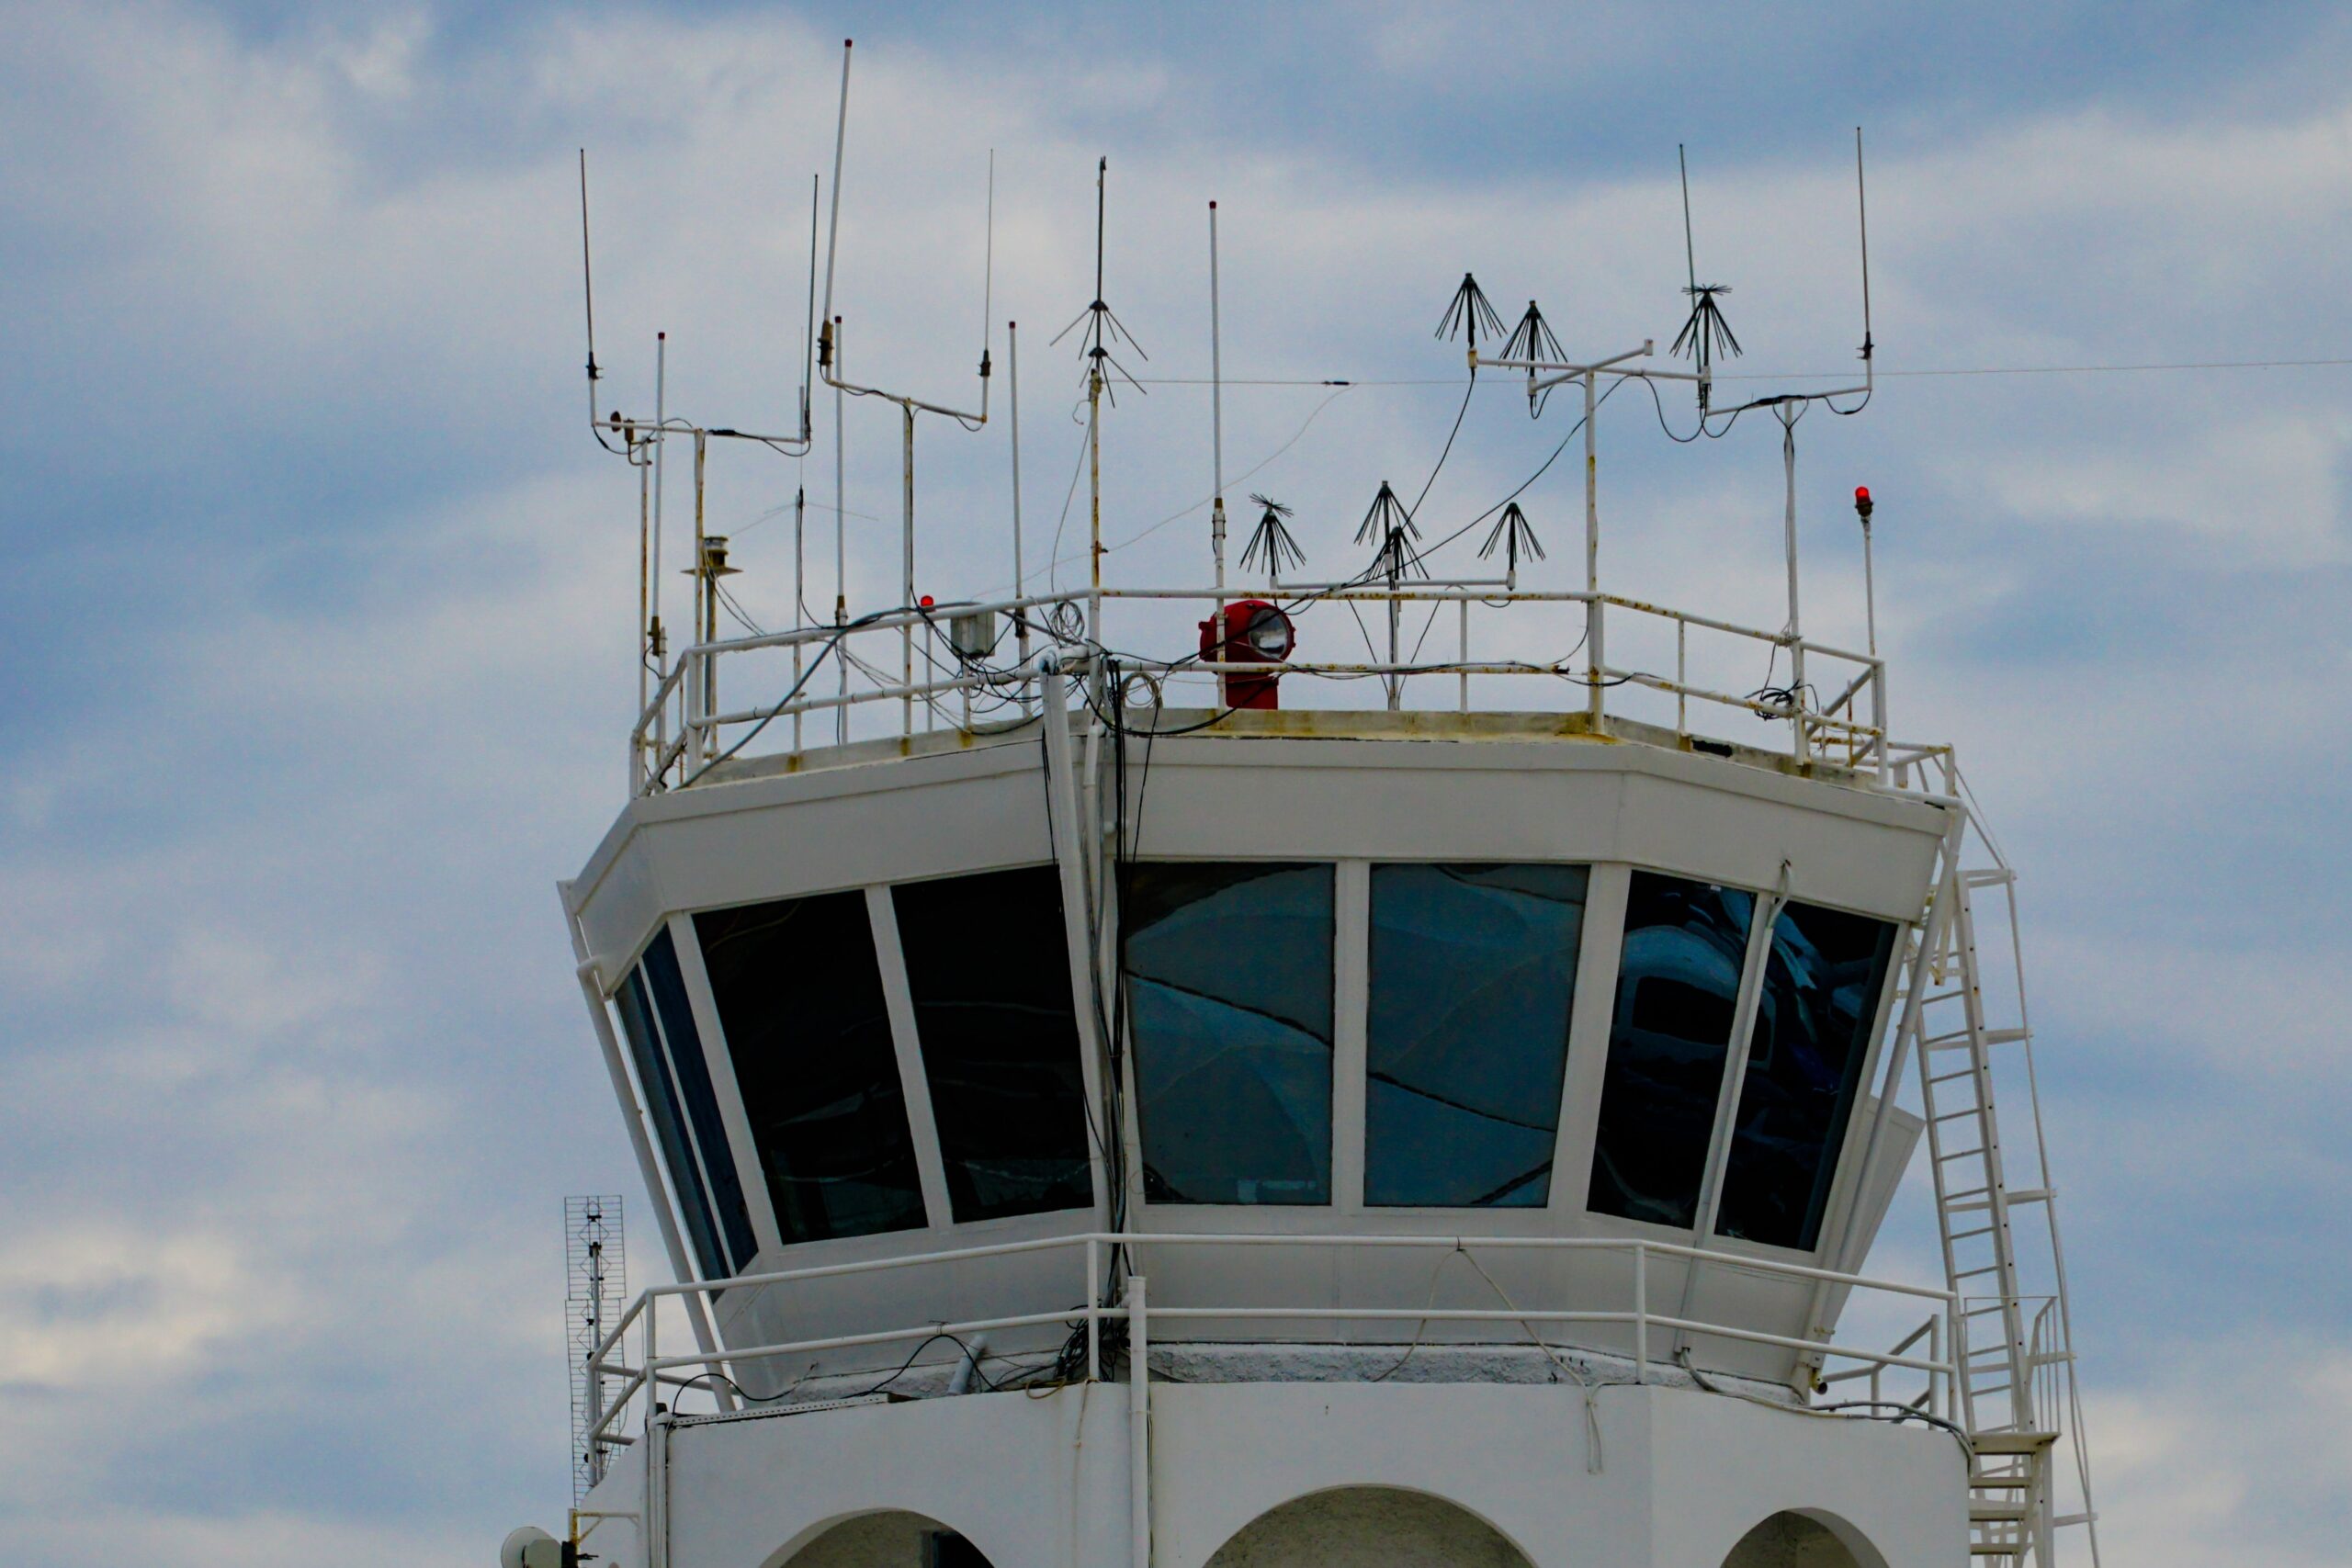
{"points": [[588, 298]]}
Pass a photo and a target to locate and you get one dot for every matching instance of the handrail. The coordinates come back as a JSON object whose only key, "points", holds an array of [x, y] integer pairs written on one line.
{"points": [[680, 724], [654, 1371]]}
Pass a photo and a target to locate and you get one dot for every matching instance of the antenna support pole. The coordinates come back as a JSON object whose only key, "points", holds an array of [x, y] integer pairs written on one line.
{"points": [[1013, 391], [906, 573], [1593, 651], [1788, 413], [1217, 419]]}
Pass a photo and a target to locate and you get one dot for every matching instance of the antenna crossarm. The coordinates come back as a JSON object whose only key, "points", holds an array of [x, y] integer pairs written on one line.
{"points": [[913, 404]]}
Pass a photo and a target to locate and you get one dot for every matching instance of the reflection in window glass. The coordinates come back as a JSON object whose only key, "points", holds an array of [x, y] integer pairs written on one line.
{"points": [[1804, 1062], [691, 1069], [1229, 1003], [1473, 969], [1678, 984], [799, 997], [670, 1126], [988, 961]]}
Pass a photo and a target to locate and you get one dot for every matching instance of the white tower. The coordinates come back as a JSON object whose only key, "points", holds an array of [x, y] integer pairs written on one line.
{"points": [[1101, 1130]]}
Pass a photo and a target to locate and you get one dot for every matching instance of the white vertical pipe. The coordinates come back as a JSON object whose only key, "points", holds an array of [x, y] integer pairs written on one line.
{"points": [[1789, 531], [841, 504], [1013, 386], [1594, 652], [1216, 423], [1139, 1423], [907, 571]]}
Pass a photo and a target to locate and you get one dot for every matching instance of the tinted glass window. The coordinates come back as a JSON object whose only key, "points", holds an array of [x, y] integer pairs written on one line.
{"points": [[1804, 1063], [696, 1097], [1229, 1003], [1677, 983], [988, 959], [799, 996], [670, 1126], [1472, 967]]}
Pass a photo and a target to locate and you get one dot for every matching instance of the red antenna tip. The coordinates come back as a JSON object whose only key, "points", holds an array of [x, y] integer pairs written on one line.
{"points": [[1211, 207], [1861, 492], [924, 601]]}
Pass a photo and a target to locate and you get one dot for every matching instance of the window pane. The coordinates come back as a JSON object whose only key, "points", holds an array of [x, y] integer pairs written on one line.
{"points": [[1804, 1063], [1472, 967], [1230, 1001], [1677, 983], [987, 961], [697, 1100], [799, 996], [670, 1127]]}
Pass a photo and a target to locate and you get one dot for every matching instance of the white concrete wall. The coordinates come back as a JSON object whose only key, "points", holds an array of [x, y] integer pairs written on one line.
{"points": [[1680, 1478]]}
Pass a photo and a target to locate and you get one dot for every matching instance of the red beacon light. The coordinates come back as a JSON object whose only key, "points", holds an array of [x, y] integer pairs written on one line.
{"points": [[1862, 501], [1255, 633]]}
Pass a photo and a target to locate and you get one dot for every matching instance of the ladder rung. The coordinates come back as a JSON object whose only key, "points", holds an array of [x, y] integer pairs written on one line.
{"points": [[1956, 1115], [2009, 1441], [1998, 1513], [1971, 1236], [1967, 1205], [1959, 1154], [2000, 1482], [1953, 1078]]}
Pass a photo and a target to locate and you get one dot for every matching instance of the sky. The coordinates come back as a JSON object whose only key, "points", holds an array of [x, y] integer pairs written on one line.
{"points": [[319, 609]]}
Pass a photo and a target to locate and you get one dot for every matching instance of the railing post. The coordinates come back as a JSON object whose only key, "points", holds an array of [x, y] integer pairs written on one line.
{"points": [[1093, 1311], [1465, 655], [1641, 1311], [1593, 660], [1139, 1423], [1682, 677]]}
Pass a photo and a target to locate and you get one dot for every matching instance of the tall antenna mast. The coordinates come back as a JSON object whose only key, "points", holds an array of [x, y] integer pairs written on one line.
{"points": [[1217, 422], [1103, 328]]}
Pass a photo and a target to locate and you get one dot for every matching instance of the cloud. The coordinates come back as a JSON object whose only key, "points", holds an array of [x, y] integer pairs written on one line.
{"points": [[327, 605]]}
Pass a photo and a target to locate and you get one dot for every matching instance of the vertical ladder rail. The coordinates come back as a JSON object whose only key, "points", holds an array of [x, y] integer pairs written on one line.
{"points": [[2016, 1395]]}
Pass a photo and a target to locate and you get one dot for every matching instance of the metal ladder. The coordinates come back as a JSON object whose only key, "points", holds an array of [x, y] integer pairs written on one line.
{"points": [[2017, 1395]]}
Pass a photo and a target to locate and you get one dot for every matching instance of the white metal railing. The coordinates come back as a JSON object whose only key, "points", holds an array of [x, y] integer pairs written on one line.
{"points": [[620, 1382], [1832, 699]]}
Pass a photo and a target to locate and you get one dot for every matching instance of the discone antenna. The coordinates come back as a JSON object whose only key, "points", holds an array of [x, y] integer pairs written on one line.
{"points": [[1514, 532], [1469, 313], [1533, 339], [1393, 525], [1271, 545]]}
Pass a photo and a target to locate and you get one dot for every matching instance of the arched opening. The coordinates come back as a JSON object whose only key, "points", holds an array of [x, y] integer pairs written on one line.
{"points": [[1791, 1539], [894, 1539], [1368, 1527]]}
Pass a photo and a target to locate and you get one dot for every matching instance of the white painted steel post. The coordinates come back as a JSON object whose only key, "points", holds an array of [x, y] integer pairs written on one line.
{"points": [[1788, 413], [1641, 1311], [1139, 1423], [1594, 649], [1216, 427], [1093, 1310], [841, 504], [907, 575], [1020, 588]]}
